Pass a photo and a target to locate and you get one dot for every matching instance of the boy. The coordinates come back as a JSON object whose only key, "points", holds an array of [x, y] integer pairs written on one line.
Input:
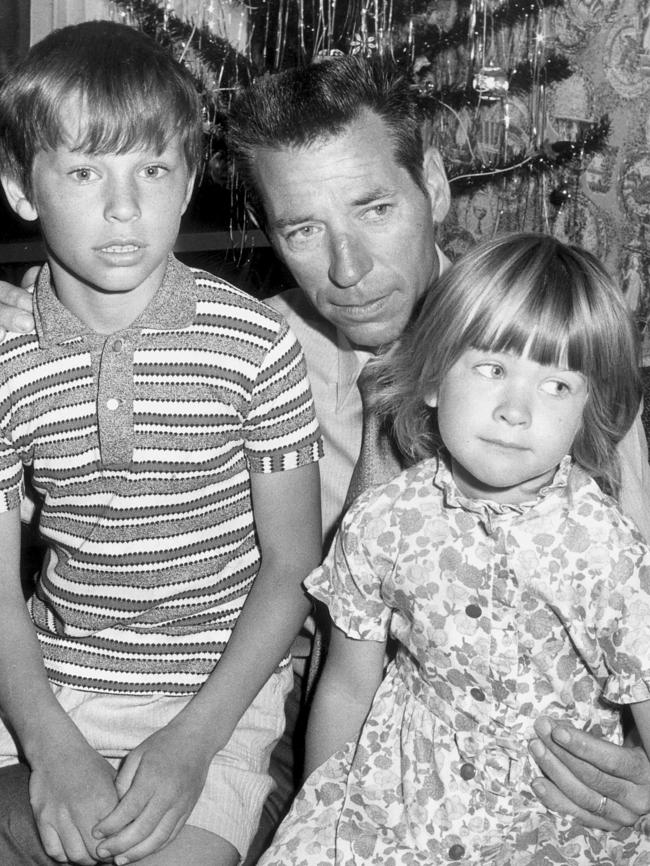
{"points": [[160, 411]]}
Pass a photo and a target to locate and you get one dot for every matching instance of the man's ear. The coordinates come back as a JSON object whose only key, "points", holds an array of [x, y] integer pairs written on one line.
{"points": [[435, 178], [431, 399], [17, 199]]}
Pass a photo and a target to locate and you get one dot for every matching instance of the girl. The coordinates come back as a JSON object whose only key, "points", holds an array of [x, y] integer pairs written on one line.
{"points": [[500, 565]]}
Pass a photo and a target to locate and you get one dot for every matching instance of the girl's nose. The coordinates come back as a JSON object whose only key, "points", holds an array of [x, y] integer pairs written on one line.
{"points": [[514, 409]]}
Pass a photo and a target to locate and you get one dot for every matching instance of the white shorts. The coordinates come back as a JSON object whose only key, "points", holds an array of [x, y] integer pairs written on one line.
{"points": [[238, 781]]}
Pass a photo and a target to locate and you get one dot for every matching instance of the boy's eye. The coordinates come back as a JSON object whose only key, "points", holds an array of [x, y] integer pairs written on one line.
{"points": [[154, 171], [490, 370], [82, 173]]}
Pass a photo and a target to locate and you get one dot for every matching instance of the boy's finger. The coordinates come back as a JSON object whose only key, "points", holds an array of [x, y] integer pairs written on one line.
{"points": [[66, 845], [140, 838]]}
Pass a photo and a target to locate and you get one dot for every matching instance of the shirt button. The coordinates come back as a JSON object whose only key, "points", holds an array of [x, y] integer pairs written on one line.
{"points": [[467, 772], [456, 852], [112, 403], [473, 610], [118, 345], [477, 694]]}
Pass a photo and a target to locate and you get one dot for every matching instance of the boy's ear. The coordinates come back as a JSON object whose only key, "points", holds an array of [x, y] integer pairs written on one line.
{"points": [[431, 399], [17, 199], [189, 191], [435, 178]]}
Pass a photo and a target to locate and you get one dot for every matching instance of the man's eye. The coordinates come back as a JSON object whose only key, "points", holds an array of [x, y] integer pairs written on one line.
{"points": [[378, 210], [303, 235], [490, 371]]}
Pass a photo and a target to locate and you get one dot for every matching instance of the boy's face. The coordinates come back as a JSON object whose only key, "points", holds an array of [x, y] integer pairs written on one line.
{"points": [[109, 220]]}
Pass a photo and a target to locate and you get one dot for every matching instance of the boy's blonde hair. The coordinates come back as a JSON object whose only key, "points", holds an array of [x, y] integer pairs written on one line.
{"points": [[527, 294], [131, 90]]}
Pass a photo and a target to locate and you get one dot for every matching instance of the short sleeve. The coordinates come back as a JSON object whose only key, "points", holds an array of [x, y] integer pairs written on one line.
{"points": [[350, 581], [626, 642], [281, 430], [12, 485]]}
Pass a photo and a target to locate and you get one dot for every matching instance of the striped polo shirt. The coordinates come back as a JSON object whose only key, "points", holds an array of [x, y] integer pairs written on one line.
{"points": [[141, 444]]}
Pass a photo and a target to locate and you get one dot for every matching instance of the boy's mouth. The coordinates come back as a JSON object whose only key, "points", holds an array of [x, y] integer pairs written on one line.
{"points": [[121, 248]]}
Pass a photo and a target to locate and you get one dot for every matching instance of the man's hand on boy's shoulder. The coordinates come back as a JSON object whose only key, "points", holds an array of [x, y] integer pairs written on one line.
{"points": [[69, 794], [159, 783], [16, 304]]}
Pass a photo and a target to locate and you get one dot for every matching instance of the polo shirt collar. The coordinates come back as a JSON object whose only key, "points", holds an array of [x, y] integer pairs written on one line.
{"points": [[172, 306]]}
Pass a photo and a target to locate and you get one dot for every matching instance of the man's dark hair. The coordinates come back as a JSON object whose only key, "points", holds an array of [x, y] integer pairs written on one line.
{"points": [[132, 92], [300, 106]]}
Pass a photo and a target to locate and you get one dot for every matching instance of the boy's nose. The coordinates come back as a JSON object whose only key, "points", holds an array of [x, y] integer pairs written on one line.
{"points": [[122, 203], [350, 261]]}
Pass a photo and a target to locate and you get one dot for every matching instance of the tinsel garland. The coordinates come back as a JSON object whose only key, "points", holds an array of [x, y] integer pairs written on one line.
{"points": [[431, 39], [552, 155], [555, 68], [228, 68]]}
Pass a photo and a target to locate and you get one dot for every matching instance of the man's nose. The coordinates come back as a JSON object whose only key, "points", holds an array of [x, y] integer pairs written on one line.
{"points": [[350, 261], [122, 202]]}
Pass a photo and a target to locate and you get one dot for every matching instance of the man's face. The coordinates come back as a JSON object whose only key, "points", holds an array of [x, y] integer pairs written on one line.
{"points": [[353, 227]]}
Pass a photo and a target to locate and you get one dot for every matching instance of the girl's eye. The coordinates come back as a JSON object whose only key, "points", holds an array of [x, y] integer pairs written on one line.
{"points": [[490, 370], [555, 388]]}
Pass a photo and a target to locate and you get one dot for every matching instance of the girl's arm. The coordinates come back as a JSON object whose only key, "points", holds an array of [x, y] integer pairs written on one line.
{"points": [[162, 778], [348, 682], [71, 786], [641, 714]]}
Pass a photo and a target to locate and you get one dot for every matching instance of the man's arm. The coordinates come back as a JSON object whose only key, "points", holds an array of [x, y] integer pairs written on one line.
{"points": [[162, 778], [579, 768], [16, 304], [71, 786]]}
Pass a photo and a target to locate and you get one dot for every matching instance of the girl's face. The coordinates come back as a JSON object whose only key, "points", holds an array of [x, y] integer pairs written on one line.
{"points": [[507, 422]]}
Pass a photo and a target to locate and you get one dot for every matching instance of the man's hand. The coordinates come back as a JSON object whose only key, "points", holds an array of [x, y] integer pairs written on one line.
{"points": [[581, 769], [159, 784], [16, 305], [69, 794]]}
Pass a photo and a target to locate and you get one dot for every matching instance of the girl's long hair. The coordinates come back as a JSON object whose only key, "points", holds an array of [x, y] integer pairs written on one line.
{"points": [[532, 295]]}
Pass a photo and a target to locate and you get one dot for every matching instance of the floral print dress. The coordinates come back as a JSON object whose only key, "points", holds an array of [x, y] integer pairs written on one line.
{"points": [[501, 613]]}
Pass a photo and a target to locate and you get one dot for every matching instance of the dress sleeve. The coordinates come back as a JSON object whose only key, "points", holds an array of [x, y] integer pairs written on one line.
{"points": [[625, 638], [350, 580], [281, 430], [635, 476]]}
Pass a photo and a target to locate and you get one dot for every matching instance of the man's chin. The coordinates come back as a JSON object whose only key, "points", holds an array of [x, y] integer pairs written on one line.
{"points": [[370, 336]]}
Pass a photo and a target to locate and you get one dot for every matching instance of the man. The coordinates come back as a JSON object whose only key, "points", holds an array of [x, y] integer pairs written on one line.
{"points": [[332, 156]]}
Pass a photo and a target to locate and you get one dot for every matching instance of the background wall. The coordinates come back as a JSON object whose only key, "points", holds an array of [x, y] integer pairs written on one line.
{"points": [[604, 200]]}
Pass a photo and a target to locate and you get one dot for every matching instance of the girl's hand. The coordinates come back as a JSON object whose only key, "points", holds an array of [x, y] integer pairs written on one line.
{"points": [[69, 793], [158, 784], [581, 769]]}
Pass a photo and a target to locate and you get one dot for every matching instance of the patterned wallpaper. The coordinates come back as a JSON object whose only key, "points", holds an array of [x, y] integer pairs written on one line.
{"points": [[605, 205]]}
